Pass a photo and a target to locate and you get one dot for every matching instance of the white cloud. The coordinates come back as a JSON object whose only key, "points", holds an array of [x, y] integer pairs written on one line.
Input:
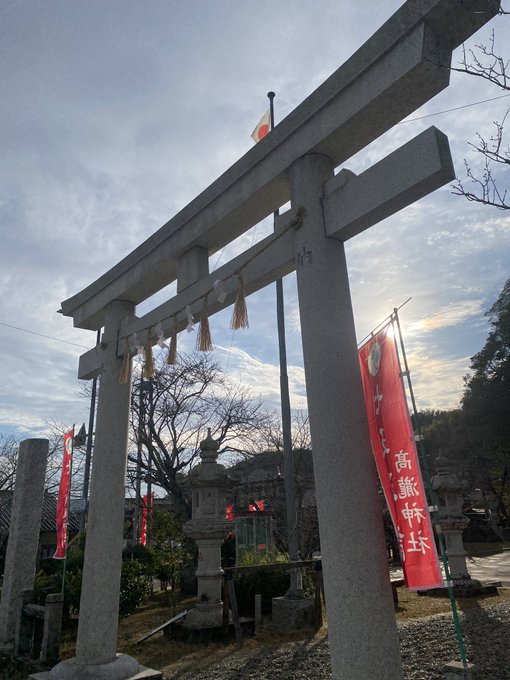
{"points": [[114, 116]]}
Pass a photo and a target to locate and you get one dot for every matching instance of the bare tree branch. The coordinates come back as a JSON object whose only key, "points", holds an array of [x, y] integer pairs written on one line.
{"points": [[485, 62], [170, 415], [486, 189]]}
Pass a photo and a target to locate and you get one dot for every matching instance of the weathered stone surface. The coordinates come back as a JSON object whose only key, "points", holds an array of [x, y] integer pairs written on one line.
{"points": [[123, 667], [21, 556], [290, 614]]}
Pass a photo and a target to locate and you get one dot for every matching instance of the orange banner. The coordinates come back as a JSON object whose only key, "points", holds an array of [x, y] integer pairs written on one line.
{"points": [[63, 496], [394, 449]]}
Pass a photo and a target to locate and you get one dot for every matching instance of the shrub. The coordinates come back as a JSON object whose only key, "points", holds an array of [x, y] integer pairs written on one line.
{"points": [[143, 554], [268, 583], [135, 586]]}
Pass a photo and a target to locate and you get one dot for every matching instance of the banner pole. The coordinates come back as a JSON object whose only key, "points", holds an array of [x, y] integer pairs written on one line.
{"points": [[380, 325], [422, 456]]}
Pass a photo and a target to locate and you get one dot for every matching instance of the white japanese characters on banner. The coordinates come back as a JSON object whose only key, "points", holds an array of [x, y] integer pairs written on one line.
{"points": [[395, 454]]}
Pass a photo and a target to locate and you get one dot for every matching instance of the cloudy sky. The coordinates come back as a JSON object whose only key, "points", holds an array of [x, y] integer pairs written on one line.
{"points": [[116, 113]]}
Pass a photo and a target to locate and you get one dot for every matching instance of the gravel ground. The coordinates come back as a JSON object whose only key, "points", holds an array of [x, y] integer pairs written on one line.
{"points": [[427, 644]]}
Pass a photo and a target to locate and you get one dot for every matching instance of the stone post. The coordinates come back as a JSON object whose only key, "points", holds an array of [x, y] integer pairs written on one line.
{"points": [[96, 645], [50, 647], [25, 626], [362, 631], [24, 530]]}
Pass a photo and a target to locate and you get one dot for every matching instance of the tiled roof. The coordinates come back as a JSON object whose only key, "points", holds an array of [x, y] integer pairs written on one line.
{"points": [[48, 516]]}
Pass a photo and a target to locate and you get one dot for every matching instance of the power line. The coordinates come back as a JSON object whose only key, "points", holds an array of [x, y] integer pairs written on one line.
{"points": [[42, 335], [457, 108]]}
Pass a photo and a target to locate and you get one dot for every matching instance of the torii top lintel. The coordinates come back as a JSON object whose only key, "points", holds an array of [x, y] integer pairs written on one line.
{"points": [[403, 65]]}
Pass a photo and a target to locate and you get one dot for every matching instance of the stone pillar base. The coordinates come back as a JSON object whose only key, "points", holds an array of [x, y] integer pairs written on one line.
{"points": [[454, 670], [123, 668], [199, 617], [290, 614]]}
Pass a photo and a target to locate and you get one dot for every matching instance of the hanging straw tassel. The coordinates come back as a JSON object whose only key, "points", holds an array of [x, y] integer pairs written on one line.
{"points": [[171, 359], [125, 367], [148, 367], [204, 340], [240, 314]]}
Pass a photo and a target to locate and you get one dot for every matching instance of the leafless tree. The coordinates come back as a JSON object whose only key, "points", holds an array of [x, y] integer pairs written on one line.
{"points": [[170, 415], [270, 437], [8, 461], [483, 185], [271, 440], [9, 449]]}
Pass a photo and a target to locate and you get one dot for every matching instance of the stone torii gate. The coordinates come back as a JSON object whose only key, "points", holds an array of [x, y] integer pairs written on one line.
{"points": [[403, 65]]}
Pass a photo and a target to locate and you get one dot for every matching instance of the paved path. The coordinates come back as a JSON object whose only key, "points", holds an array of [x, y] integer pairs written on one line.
{"points": [[491, 567], [486, 568]]}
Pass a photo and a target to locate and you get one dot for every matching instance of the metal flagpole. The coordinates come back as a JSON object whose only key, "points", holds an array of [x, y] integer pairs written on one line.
{"points": [[148, 510], [138, 479], [442, 544], [296, 588], [88, 452]]}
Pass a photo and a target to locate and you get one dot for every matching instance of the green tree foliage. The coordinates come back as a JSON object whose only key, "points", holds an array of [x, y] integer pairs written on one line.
{"points": [[169, 547], [486, 400], [476, 437]]}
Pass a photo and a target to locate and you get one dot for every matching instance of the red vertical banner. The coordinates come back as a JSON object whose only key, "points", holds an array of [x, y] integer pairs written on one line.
{"points": [[146, 514], [63, 496], [394, 449]]}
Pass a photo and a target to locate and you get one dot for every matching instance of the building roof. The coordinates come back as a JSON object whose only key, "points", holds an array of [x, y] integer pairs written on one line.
{"points": [[48, 516]]}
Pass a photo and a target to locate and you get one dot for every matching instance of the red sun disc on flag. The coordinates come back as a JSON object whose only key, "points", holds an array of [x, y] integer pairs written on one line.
{"points": [[262, 131]]}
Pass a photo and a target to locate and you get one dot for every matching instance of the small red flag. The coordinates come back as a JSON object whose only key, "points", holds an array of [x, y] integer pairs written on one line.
{"points": [[262, 128], [63, 496]]}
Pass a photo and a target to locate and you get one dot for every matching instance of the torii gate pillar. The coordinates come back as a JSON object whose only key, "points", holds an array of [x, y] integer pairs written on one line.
{"points": [[96, 657], [357, 586]]}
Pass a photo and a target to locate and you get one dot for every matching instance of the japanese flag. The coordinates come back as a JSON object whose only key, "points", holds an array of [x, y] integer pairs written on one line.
{"points": [[262, 128]]}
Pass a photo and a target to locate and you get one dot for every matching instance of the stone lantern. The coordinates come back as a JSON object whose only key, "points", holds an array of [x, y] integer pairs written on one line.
{"points": [[449, 489], [208, 527]]}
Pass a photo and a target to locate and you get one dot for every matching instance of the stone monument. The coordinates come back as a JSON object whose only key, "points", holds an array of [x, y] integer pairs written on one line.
{"points": [[403, 65], [208, 527]]}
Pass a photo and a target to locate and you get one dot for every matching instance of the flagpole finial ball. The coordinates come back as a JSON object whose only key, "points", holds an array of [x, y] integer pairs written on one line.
{"points": [[271, 95]]}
